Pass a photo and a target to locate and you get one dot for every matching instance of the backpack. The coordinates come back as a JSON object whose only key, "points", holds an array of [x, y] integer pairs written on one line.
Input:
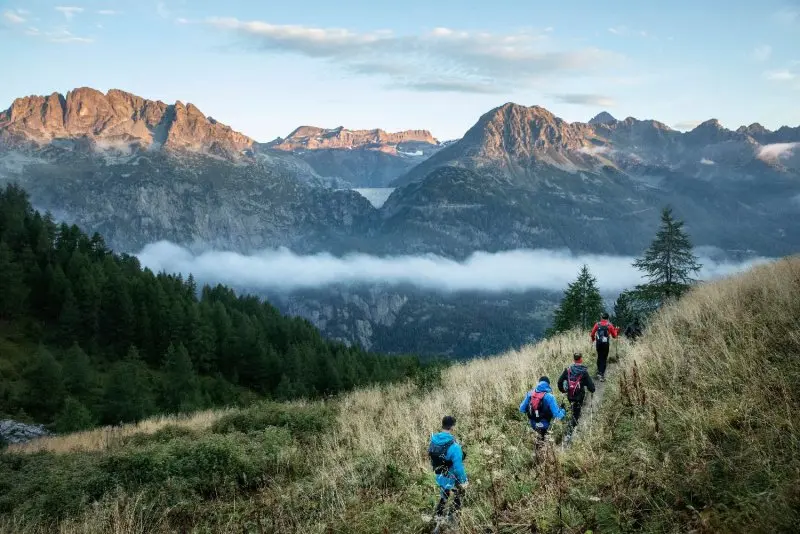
{"points": [[574, 382], [438, 456], [538, 409], [602, 334]]}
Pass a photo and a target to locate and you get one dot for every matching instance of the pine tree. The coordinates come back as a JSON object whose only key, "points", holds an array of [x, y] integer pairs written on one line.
{"points": [[581, 304], [181, 386], [45, 393], [128, 394], [13, 290], [669, 262], [77, 373], [73, 417]]}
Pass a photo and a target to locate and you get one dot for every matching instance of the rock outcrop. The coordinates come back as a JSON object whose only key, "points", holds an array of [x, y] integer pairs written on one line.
{"points": [[118, 120], [14, 432]]}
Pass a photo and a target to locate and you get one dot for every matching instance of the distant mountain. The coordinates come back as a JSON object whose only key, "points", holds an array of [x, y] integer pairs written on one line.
{"points": [[361, 158], [522, 177], [603, 117], [118, 121], [139, 170]]}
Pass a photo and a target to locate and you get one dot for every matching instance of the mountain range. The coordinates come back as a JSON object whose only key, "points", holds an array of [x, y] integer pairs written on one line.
{"points": [[139, 171]]}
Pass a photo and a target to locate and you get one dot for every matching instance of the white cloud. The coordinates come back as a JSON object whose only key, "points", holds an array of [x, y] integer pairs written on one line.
{"points": [[780, 75], [586, 99], [761, 53], [443, 59], [13, 18], [776, 151], [595, 150], [66, 37], [69, 11], [515, 270], [686, 125], [706, 161], [618, 30]]}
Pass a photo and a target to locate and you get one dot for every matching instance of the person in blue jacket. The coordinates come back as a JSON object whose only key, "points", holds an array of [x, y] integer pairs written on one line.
{"points": [[541, 408], [447, 460]]}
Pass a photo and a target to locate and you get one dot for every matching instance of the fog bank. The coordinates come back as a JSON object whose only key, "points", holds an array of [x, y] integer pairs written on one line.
{"points": [[510, 271]]}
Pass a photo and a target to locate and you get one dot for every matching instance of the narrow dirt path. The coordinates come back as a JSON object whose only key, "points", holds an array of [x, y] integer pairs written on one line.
{"points": [[593, 401]]}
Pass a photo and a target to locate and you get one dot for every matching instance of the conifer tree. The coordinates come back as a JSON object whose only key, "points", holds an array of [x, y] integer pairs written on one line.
{"points": [[581, 304], [669, 262], [77, 372], [45, 393], [128, 393], [181, 387], [13, 289], [73, 417]]}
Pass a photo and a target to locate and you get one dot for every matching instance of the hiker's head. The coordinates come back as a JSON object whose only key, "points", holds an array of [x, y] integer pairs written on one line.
{"points": [[544, 379], [448, 422], [604, 316], [577, 357]]}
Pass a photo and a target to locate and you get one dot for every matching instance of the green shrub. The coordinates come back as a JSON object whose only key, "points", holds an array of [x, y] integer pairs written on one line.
{"points": [[300, 420]]}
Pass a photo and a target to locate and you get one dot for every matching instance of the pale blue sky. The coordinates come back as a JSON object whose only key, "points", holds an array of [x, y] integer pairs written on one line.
{"points": [[266, 67]]}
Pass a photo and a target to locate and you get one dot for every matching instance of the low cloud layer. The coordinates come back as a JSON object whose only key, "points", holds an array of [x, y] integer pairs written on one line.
{"points": [[777, 151], [514, 271], [442, 59]]}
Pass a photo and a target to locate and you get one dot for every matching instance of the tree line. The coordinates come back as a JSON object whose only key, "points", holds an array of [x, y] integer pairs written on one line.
{"points": [[667, 265], [92, 337]]}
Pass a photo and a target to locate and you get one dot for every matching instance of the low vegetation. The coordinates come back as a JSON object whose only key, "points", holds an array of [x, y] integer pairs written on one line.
{"points": [[696, 431]]}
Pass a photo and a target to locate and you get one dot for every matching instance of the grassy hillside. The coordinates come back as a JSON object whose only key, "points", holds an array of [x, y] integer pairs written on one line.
{"points": [[696, 432]]}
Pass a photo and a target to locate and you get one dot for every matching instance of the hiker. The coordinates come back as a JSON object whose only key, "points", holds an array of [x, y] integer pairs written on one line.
{"points": [[447, 460], [601, 336], [541, 408], [634, 330], [574, 381]]}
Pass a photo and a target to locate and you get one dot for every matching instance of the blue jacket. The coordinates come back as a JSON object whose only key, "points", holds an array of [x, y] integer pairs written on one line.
{"points": [[455, 455], [557, 412]]}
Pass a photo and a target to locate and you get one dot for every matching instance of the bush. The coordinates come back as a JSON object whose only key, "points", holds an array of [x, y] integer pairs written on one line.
{"points": [[300, 420]]}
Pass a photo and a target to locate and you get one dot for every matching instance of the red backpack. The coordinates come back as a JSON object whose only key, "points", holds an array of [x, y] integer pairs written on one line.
{"points": [[538, 409], [574, 380]]}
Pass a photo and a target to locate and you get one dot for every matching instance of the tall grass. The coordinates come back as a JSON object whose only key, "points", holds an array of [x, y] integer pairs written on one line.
{"points": [[696, 432]]}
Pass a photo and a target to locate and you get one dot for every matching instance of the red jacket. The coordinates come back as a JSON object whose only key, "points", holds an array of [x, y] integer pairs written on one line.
{"points": [[611, 329]]}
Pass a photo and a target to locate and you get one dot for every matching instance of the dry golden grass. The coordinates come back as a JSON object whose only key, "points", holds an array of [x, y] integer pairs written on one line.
{"points": [[107, 437]]}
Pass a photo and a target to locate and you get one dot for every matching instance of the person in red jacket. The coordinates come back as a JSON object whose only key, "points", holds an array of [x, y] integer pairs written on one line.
{"points": [[601, 337]]}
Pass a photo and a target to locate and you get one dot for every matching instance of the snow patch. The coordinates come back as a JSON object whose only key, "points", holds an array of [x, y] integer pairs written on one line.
{"points": [[417, 154], [377, 196], [706, 161], [595, 150]]}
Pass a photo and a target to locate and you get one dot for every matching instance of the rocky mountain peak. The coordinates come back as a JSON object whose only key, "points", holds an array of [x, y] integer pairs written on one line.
{"points": [[315, 138], [118, 119], [604, 117]]}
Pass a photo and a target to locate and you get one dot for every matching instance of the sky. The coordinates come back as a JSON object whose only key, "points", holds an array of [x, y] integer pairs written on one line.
{"points": [[266, 67]]}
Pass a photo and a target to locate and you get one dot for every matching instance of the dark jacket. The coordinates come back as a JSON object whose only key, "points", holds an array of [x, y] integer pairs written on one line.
{"points": [[586, 381]]}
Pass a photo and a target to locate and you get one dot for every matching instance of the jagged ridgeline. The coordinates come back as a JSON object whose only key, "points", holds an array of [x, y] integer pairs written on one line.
{"points": [[88, 336], [695, 431]]}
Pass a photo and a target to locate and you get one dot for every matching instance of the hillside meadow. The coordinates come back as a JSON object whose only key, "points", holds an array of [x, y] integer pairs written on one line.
{"points": [[696, 432]]}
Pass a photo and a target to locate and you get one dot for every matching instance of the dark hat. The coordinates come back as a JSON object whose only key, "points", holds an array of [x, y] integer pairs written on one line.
{"points": [[448, 422], [544, 379], [577, 356], [604, 315]]}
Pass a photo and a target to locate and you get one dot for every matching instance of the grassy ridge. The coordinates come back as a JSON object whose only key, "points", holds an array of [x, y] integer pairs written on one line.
{"points": [[696, 432]]}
